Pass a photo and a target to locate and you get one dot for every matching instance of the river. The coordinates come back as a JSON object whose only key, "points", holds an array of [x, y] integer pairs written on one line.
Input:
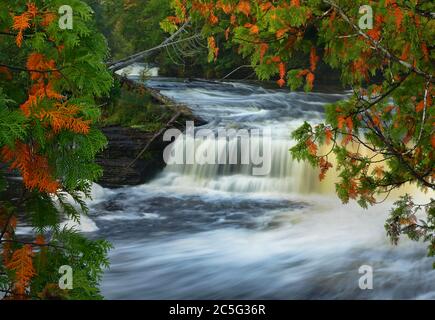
{"points": [[218, 232]]}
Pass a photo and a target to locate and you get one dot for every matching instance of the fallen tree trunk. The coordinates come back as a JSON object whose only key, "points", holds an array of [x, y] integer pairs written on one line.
{"points": [[162, 99], [120, 64]]}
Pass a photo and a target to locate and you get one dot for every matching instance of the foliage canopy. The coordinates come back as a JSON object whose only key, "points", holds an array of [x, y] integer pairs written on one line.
{"points": [[49, 80]]}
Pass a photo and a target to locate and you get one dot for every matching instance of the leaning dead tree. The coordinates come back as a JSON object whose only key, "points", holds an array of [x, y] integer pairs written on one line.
{"points": [[173, 41]]}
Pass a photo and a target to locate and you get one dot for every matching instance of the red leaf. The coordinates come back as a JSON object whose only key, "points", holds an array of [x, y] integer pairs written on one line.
{"points": [[263, 49], [244, 7], [420, 106], [310, 80], [281, 82], [312, 148], [399, 17], [313, 59], [21, 263], [328, 136]]}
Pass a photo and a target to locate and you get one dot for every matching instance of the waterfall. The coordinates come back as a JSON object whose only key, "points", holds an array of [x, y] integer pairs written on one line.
{"points": [[244, 107], [286, 175]]}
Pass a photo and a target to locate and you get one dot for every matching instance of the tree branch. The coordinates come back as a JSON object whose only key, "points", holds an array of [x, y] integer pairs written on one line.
{"points": [[33, 244], [369, 104], [399, 156], [117, 65], [29, 70], [423, 120], [376, 44]]}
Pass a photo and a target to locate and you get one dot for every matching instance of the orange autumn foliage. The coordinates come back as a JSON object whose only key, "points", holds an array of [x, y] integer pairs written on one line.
{"points": [[40, 240], [37, 62], [263, 49], [244, 7], [255, 29], [63, 117], [21, 23], [21, 263], [405, 52], [314, 59], [303, 73], [213, 18], [328, 136], [399, 17], [420, 106], [353, 189], [276, 59], [37, 92], [33, 167], [266, 6], [32, 10], [281, 82], [282, 70], [213, 47], [227, 8], [47, 19], [281, 32], [312, 147], [324, 166], [310, 80], [378, 171], [43, 88], [295, 3], [374, 33], [425, 51]]}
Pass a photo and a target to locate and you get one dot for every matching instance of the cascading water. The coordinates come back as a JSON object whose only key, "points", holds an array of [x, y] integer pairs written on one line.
{"points": [[215, 231], [236, 106]]}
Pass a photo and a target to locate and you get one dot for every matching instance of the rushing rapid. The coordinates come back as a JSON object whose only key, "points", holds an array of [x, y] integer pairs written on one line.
{"points": [[215, 231]]}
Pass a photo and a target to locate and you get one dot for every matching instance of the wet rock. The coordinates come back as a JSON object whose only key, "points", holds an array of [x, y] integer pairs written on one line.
{"points": [[123, 147], [125, 144]]}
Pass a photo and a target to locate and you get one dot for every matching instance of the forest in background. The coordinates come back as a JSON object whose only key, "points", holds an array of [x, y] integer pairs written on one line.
{"points": [[134, 26]]}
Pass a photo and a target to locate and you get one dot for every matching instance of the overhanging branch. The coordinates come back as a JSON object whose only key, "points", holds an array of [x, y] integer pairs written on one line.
{"points": [[376, 44]]}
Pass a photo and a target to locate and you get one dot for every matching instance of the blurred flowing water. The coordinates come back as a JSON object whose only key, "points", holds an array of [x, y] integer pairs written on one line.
{"points": [[218, 232]]}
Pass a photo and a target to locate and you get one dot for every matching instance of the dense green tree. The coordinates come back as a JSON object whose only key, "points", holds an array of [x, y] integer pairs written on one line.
{"points": [[49, 80]]}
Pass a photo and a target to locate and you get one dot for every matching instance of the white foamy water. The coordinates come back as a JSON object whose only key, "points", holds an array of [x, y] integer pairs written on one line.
{"points": [[217, 232]]}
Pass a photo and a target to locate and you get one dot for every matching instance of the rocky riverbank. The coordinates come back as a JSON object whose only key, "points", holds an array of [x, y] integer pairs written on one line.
{"points": [[124, 161]]}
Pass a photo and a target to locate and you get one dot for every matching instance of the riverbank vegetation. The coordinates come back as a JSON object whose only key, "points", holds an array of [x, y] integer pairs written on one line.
{"points": [[134, 109]]}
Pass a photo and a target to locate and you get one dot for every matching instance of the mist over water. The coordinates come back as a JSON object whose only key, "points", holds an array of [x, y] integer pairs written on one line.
{"points": [[218, 232]]}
